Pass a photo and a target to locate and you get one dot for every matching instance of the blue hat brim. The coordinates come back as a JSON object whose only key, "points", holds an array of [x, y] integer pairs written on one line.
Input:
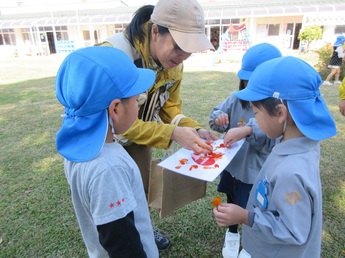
{"points": [[145, 80], [81, 139], [244, 75], [248, 95], [313, 118]]}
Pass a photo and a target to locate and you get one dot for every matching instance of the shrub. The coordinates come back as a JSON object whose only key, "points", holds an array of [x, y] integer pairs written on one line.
{"points": [[309, 34]]}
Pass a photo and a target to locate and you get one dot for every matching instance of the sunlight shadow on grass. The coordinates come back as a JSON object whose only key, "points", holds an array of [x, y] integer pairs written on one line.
{"points": [[44, 165]]}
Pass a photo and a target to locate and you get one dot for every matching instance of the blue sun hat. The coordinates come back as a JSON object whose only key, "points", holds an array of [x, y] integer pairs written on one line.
{"points": [[254, 56], [339, 41], [86, 83], [292, 79]]}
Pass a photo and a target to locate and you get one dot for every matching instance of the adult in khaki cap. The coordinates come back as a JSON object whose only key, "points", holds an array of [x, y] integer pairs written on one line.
{"points": [[160, 38]]}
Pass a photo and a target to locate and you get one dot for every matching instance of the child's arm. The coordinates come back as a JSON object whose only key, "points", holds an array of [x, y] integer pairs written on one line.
{"points": [[236, 134], [120, 238], [253, 134]]}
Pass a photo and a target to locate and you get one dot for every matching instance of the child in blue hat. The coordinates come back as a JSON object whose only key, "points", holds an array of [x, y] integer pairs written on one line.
{"points": [[283, 217], [99, 89], [235, 118], [336, 61]]}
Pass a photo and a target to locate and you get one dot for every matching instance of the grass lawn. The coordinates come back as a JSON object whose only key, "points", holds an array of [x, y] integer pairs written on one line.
{"points": [[36, 214]]}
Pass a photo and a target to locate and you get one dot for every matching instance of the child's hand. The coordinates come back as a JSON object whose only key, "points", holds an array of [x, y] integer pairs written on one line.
{"points": [[227, 214], [222, 120], [236, 134], [241, 123]]}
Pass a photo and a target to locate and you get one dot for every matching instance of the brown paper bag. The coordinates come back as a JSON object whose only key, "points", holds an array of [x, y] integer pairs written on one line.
{"points": [[169, 191]]}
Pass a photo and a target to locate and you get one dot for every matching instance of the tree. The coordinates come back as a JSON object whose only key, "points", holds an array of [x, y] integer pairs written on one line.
{"points": [[308, 34]]}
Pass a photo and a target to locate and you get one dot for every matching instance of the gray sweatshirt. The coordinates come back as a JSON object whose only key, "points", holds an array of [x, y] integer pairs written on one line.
{"points": [[291, 224], [249, 159]]}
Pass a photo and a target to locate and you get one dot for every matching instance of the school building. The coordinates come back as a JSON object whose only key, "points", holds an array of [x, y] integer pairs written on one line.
{"points": [[38, 27]]}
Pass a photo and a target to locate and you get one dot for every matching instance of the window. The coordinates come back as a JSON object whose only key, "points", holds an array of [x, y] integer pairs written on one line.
{"points": [[214, 21], [273, 30], [289, 27], [339, 29], [95, 35], [86, 35], [7, 37], [47, 28], [261, 30], [61, 35]]}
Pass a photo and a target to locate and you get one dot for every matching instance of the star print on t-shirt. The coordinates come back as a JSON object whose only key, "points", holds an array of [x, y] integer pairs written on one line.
{"points": [[118, 203]]}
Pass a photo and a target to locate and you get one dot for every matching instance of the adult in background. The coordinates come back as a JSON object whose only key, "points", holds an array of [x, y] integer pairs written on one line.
{"points": [[160, 38]]}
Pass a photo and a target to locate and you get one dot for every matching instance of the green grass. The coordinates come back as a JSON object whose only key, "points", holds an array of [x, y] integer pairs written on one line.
{"points": [[36, 214]]}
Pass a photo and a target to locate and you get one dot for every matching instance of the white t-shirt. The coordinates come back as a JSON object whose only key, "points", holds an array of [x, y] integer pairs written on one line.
{"points": [[340, 50], [106, 189]]}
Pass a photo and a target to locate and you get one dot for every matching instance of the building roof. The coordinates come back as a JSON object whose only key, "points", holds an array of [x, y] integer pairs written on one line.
{"points": [[103, 12]]}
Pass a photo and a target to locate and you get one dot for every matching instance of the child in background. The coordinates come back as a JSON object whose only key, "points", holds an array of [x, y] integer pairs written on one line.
{"points": [[336, 61], [284, 211], [99, 88], [236, 117]]}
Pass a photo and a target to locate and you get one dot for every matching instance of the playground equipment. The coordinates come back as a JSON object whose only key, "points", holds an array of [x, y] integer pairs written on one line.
{"points": [[241, 42], [233, 40]]}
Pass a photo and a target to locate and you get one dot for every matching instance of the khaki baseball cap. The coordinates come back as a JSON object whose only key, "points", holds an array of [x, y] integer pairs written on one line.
{"points": [[185, 21]]}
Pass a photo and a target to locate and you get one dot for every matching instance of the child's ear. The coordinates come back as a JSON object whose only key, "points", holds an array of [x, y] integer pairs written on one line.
{"points": [[114, 109], [282, 112]]}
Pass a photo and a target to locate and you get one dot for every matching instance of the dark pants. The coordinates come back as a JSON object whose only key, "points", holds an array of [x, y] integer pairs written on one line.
{"points": [[236, 191]]}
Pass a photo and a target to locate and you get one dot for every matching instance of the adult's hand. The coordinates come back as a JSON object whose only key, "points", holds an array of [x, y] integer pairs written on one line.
{"points": [[189, 139], [342, 106], [208, 135]]}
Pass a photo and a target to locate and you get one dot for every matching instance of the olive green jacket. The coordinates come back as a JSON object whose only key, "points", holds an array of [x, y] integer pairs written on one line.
{"points": [[342, 89]]}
